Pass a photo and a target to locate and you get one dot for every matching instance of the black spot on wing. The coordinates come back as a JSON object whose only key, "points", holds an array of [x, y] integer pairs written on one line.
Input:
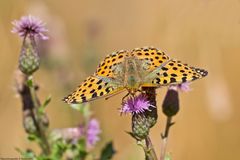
{"points": [[101, 93], [94, 95], [202, 72], [172, 80], [100, 81], [84, 99], [184, 79]]}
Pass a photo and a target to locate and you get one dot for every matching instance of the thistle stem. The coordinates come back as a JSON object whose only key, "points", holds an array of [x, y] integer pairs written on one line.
{"points": [[148, 148], [37, 121], [169, 123], [151, 154]]}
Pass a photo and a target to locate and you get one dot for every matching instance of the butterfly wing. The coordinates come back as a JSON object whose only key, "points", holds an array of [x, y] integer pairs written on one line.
{"points": [[92, 88], [95, 86], [174, 72], [151, 57], [108, 65]]}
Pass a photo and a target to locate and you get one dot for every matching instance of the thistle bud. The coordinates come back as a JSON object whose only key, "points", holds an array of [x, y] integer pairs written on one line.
{"points": [[29, 60], [151, 115], [140, 126], [28, 122], [45, 121], [170, 106]]}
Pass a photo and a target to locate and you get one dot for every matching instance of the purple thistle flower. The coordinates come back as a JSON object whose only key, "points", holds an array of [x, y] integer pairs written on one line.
{"points": [[29, 25], [136, 105], [93, 130]]}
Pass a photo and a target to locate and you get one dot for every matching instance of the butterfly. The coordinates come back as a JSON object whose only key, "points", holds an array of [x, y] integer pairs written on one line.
{"points": [[124, 70]]}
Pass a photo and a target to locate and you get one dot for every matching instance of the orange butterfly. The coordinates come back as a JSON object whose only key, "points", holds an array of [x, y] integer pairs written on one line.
{"points": [[123, 70]]}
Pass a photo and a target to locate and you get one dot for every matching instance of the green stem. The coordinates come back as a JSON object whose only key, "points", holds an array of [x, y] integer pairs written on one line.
{"points": [[169, 123], [148, 148], [151, 152], [37, 121]]}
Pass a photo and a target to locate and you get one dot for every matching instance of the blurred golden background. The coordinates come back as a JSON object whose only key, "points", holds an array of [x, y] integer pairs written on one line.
{"points": [[203, 33]]}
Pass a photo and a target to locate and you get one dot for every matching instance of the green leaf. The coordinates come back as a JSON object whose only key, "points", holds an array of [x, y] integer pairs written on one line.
{"points": [[133, 135], [32, 137], [78, 150], [45, 103], [58, 148], [26, 154], [107, 152], [43, 157], [81, 145]]}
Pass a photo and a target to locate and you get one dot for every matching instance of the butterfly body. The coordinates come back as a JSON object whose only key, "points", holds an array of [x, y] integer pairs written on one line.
{"points": [[142, 67], [129, 75], [132, 74]]}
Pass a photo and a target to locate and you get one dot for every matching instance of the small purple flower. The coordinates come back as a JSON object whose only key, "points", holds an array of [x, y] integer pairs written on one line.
{"points": [[69, 133], [90, 132], [29, 25], [184, 87], [93, 131], [136, 105]]}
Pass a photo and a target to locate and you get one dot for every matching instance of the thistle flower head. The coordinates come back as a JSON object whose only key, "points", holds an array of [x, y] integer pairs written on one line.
{"points": [[136, 105], [93, 131], [29, 25]]}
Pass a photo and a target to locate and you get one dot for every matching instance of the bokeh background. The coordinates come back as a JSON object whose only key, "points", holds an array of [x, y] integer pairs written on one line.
{"points": [[203, 33]]}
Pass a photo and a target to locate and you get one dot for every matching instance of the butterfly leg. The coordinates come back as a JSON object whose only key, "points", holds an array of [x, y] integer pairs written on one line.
{"points": [[110, 95], [123, 99], [141, 91]]}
